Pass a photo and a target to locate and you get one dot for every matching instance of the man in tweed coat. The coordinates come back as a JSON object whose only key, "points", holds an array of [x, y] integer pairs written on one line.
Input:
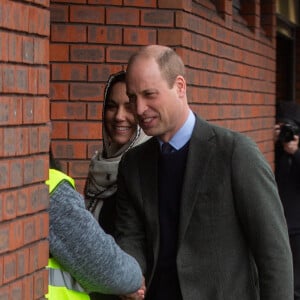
{"points": [[204, 220]]}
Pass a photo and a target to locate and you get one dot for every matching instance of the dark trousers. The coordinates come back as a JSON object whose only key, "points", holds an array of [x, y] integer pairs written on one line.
{"points": [[295, 246]]}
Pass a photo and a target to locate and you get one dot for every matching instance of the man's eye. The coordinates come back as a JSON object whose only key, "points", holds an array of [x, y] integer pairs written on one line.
{"points": [[150, 94]]}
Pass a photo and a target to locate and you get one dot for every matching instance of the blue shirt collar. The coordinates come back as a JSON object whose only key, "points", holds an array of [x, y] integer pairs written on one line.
{"points": [[183, 135]]}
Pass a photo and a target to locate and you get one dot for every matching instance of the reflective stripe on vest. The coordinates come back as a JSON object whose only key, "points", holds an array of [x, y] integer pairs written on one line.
{"points": [[61, 284], [56, 177]]}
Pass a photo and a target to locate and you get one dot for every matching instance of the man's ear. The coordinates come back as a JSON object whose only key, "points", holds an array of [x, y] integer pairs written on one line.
{"points": [[180, 86]]}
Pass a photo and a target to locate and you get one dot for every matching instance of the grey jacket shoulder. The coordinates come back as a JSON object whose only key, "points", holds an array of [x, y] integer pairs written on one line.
{"points": [[90, 255]]}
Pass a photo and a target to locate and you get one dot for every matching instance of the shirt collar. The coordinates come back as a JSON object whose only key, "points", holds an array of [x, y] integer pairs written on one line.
{"points": [[183, 135]]}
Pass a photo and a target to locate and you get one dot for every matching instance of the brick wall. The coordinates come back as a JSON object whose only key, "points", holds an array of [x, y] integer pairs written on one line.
{"points": [[230, 59], [24, 144]]}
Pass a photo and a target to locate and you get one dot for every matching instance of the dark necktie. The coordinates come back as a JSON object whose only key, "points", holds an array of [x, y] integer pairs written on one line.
{"points": [[166, 148]]}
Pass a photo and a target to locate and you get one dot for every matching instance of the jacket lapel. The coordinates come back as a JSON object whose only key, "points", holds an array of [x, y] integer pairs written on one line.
{"points": [[201, 147]]}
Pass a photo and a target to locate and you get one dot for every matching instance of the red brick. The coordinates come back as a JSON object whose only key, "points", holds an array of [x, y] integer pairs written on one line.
{"points": [[28, 171], [87, 53], [9, 141], [33, 140], [22, 262], [59, 13], [59, 52], [94, 111], [80, 183], [119, 54], [9, 268], [78, 169], [176, 4], [1, 273], [21, 79], [15, 48], [30, 235], [122, 16], [68, 33], [9, 205], [41, 51], [16, 230], [44, 137], [28, 287], [1, 143], [39, 21], [140, 3], [43, 81], [5, 292], [59, 91], [4, 45], [104, 34], [22, 200], [27, 49], [41, 110], [101, 72], [42, 222], [22, 145], [33, 82], [41, 167], [39, 198], [87, 131], [28, 110], [72, 1], [16, 290], [59, 130], [69, 72], [175, 37], [8, 82], [69, 150], [43, 248], [136, 36], [4, 237], [86, 91], [40, 283], [64, 111], [103, 2], [163, 18], [1, 211], [87, 14], [10, 110]]}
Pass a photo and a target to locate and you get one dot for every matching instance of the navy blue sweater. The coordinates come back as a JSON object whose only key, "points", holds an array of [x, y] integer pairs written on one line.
{"points": [[171, 175]]}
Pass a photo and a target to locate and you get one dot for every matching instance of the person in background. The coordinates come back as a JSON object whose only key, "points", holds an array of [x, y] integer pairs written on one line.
{"points": [[287, 172], [83, 258], [120, 133], [197, 204]]}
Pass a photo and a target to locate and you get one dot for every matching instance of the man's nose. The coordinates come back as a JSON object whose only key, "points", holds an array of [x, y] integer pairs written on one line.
{"points": [[140, 106]]}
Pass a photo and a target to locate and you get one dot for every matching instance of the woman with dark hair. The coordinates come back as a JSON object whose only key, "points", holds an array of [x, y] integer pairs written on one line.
{"points": [[120, 133]]}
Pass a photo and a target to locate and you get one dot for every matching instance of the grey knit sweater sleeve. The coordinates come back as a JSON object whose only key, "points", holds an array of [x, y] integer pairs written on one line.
{"points": [[79, 244]]}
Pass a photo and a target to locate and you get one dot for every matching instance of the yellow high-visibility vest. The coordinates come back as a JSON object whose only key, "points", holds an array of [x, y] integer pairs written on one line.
{"points": [[61, 286]]}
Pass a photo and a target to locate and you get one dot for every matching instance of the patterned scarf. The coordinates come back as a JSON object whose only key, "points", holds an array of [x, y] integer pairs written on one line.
{"points": [[102, 176]]}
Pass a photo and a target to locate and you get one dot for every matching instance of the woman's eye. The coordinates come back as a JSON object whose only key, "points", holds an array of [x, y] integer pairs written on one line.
{"points": [[110, 106]]}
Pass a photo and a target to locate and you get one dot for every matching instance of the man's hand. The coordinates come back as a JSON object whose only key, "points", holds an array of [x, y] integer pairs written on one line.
{"points": [[292, 146], [138, 295]]}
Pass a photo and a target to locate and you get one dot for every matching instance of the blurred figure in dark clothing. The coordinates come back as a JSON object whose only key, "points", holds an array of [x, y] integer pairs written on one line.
{"points": [[287, 171]]}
